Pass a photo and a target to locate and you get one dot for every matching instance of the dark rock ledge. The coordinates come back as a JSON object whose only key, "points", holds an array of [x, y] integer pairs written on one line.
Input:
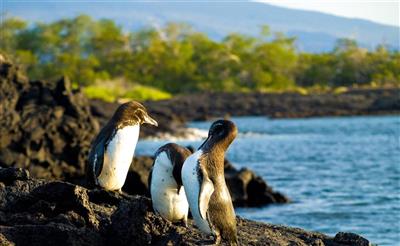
{"points": [[41, 212]]}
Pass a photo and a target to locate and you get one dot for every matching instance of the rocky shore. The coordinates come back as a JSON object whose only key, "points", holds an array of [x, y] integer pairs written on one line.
{"points": [[280, 105], [42, 212]]}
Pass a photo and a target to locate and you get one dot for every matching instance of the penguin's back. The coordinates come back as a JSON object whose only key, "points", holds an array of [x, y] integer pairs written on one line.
{"points": [[118, 157]]}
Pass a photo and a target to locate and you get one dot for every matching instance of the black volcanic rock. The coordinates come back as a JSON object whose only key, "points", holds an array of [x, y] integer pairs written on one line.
{"points": [[137, 179], [248, 189], [351, 239], [45, 127], [205, 106], [39, 212]]}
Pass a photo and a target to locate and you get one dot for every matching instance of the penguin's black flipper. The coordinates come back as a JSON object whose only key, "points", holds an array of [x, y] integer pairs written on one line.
{"points": [[178, 155], [95, 164], [96, 158], [177, 173], [96, 155]]}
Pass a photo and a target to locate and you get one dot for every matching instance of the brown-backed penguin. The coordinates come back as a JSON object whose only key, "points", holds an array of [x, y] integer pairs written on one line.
{"points": [[203, 178], [165, 183], [112, 150]]}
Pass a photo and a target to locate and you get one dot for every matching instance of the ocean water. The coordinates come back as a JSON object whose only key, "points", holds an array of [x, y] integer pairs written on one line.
{"points": [[342, 173]]}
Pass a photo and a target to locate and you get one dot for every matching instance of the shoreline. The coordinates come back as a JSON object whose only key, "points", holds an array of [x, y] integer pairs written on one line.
{"points": [[173, 114], [202, 106]]}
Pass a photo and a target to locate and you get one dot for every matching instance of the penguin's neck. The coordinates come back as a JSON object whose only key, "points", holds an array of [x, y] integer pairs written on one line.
{"points": [[219, 145], [128, 123], [215, 155]]}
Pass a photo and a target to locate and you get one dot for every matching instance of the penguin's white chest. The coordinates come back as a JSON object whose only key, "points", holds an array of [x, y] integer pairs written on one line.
{"points": [[164, 191], [118, 157], [190, 180]]}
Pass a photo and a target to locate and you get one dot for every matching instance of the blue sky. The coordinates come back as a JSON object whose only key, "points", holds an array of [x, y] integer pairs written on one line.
{"points": [[381, 11]]}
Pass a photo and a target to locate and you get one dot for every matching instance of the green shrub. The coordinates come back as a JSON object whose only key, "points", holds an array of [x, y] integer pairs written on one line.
{"points": [[101, 92], [112, 92], [143, 93]]}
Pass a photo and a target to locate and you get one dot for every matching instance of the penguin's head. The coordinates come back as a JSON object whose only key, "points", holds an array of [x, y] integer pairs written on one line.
{"points": [[132, 113], [221, 133]]}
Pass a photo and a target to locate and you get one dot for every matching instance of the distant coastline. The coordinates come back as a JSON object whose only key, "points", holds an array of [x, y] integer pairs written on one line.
{"points": [[173, 114]]}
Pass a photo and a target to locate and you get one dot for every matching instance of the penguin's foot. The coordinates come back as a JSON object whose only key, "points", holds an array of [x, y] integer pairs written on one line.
{"points": [[217, 239], [120, 193], [185, 222]]}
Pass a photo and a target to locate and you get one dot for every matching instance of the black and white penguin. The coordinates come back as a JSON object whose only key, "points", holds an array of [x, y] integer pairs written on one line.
{"points": [[112, 150], [165, 183], [203, 177]]}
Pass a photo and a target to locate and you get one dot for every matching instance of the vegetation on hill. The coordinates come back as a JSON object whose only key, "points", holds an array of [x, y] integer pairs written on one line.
{"points": [[157, 62]]}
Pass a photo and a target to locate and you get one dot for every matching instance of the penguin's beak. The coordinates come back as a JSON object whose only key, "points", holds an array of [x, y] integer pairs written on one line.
{"points": [[205, 141], [149, 120]]}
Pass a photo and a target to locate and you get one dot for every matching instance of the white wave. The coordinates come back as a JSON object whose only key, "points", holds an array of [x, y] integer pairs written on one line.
{"points": [[251, 134], [196, 134], [184, 134]]}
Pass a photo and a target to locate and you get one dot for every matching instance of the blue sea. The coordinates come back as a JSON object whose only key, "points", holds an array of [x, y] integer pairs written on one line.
{"points": [[342, 173]]}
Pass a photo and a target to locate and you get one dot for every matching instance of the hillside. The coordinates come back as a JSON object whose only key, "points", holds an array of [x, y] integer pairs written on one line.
{"points": [[316, 32]]}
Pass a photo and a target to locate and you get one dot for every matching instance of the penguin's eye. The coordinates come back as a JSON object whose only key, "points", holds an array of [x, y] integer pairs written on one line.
{"points": [[140, 115], [219, 131]]}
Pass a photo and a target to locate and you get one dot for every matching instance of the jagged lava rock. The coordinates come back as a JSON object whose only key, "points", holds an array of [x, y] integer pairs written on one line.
{"points": [[137, 179], [42, 212], [45, 127], [248, 189]]}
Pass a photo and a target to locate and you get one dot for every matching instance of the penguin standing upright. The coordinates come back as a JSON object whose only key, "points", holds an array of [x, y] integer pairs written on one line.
{"points": [[112, 150], [165, 183], [203, 177]]}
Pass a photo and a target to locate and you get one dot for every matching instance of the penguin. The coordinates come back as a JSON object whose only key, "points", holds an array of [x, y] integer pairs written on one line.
{"points": [[113, 148], [206, 190], [165, 183]]}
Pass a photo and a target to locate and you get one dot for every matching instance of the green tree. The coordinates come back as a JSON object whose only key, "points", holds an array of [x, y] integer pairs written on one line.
{"points": [[176, 59], [315, 69], [351, 66], [10, 29], [273, 64]]}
